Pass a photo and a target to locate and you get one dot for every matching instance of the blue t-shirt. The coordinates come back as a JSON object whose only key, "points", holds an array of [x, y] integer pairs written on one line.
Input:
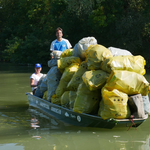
{"points": [[60, 45]]}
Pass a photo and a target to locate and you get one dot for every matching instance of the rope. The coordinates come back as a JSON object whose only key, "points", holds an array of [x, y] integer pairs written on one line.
{"points": [[132, 123]]}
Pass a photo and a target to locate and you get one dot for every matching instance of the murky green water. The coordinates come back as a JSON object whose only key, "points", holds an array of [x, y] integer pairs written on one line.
{"points": [[17, 132]]}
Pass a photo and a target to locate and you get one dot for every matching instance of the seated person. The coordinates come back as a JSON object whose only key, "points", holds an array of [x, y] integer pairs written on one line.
{"points": [[35, 77]]}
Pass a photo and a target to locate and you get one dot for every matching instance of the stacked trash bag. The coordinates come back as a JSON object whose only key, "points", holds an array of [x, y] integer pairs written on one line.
{"points": [[93, 79]]}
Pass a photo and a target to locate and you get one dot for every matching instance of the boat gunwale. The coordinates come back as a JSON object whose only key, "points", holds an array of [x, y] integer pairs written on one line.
{"points": [[88, 115]]}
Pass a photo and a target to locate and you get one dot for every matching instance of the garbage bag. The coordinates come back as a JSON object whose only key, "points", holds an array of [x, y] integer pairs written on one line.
{"points": [[95, 79], [128, 82], [66, 77], [65, 99], [82, 45], [67, 53], [77, 77], [96, 55], [146, 104], [72, 97], [55, 100], [86, 101], [52, 62], [53, 78], [117, 51], [114, 105], [43, 85], [38, 92], [136, 106], [56, 54], [67, 61], [130, 63], [45, 95]]}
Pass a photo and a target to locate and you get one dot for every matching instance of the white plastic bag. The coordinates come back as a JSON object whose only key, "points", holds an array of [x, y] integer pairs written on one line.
{"points": [[117, 51], [82, 45]]}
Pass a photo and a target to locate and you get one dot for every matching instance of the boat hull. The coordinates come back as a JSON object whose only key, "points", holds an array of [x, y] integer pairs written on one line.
{"points": [[70, 117]]}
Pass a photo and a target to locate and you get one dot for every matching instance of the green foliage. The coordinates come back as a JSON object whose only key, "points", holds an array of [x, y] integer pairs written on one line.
{"points": [[27, 27]]}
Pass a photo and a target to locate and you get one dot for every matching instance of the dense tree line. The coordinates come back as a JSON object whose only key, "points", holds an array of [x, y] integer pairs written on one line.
{"points": [[28, 27]]}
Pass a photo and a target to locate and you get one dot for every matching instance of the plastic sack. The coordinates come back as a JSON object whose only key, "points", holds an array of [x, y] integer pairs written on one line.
{"points": [[38, 92], [51, 63], [117, 51], [95, 79], [61, 88], [53, 78], [45, 95], [77, 77], [67, 53], [128, 82], [130, 63], [43, 85], [56, 54], [66, 77], [136, 106], [72, 97], [96, 55], [64, 100], [55, 100], [114, 105], [82, 45], [146, 104], [86, 101], [67, 61]]}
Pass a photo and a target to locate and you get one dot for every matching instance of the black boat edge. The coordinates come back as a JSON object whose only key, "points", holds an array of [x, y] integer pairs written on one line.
{"points": [[76, 119]]}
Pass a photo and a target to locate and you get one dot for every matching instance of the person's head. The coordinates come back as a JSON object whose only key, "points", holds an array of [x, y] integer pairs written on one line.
{"points": [[59, 33], [38, 68]]}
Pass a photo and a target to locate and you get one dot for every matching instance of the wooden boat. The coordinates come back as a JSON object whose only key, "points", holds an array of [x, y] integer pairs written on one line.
{"points": [[85, 120]]}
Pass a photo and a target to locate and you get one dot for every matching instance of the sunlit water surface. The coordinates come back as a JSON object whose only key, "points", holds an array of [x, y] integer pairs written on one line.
{"points": [[24, 128]]}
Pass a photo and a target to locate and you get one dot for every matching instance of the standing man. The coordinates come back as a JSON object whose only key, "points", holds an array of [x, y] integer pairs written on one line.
{"points": [[60, 44]]}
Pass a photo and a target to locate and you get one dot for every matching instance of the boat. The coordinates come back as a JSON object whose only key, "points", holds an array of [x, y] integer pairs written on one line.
{"points": [[76, 119]]}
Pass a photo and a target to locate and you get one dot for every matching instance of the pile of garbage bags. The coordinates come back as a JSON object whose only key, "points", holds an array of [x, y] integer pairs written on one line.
{"points": [[93, 79]]}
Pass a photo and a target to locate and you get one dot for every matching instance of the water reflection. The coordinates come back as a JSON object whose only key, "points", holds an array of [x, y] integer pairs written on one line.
{"points": [[34, 130], [60, 136], [19, 131]]}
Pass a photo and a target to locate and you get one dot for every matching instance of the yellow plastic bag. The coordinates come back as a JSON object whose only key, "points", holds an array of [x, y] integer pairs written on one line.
{"points": [[130, 63], [67, 61], [114, 105], [65, 78], [65, 99], [128, 82], [86, 101], [45, 95], [55, 100], [67, 53], [77, 77], [95, 79], [69, 72], [72, 97], [96, 55]]}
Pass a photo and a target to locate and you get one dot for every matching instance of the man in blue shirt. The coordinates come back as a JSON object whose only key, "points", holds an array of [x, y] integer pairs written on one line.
{"points": [[60, 44]]}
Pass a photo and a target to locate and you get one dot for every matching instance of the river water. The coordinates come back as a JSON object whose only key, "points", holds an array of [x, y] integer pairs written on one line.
{"points": [[24, 128]]}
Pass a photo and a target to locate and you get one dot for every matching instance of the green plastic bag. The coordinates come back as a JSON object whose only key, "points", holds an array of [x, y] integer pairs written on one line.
{"points": [[72, 97], [77, 77], [65, 78], [95, 79], [65, 99], [86, 101]]}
